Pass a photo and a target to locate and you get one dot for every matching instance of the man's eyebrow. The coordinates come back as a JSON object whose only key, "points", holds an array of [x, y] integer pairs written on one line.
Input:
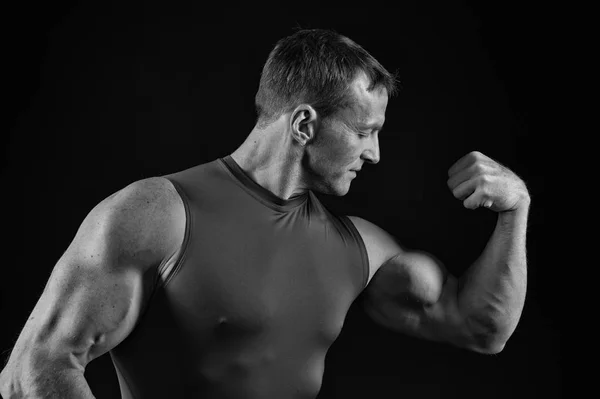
{"points": [[372, 126]]}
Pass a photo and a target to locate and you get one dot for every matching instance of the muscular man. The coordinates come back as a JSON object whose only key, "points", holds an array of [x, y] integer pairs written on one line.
{"points": [[232, 280]]}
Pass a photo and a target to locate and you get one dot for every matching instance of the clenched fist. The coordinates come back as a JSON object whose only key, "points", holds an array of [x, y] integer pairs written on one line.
{"points": [[480, 181]]}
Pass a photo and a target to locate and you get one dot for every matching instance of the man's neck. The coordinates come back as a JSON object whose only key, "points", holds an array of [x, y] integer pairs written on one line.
{"points": [[266, 157]]}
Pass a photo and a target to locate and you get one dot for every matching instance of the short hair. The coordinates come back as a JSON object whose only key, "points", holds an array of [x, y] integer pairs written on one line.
{"points": [[316, 67]]}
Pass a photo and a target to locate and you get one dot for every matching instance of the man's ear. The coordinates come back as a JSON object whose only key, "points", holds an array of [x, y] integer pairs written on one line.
{"points": [[304, 123]]}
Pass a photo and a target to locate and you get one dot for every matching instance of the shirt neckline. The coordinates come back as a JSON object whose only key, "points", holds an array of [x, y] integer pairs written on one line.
{"points": [[259, 192]]}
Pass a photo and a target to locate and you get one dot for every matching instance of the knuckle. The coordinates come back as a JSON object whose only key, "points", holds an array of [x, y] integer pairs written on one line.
{"points": [[479, 167], [485, 179]]}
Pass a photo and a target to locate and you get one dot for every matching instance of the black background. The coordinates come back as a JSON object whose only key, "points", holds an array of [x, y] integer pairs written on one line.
{"points": [[100, 95]]}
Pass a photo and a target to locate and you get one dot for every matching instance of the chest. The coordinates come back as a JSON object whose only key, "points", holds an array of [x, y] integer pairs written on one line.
{"points": [[258, 281]]}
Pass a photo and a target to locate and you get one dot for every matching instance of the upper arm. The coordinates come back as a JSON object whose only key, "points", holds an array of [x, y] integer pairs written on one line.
{"points": [[411, 291], [98, 287]]}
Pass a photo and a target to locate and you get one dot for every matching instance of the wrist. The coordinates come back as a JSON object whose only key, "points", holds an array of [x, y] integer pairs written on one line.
{"points": [[518, 213], [521, 205]]}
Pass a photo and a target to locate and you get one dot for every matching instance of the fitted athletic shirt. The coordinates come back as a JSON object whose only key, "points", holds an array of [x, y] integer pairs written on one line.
{"points": [[250, 304]]}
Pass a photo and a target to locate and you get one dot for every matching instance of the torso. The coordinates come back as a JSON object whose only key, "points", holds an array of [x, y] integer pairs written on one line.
{"points": [[250, 306]]}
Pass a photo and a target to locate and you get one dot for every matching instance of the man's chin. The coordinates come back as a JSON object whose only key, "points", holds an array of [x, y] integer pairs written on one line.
{"points": [[343, 191], [337, 190]]}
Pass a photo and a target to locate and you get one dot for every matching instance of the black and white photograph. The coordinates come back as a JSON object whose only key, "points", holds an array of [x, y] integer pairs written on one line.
{"points": [[277, 201]]}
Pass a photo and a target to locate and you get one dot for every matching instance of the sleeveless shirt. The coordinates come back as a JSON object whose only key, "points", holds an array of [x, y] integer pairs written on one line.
{"points": [[253, 300]]}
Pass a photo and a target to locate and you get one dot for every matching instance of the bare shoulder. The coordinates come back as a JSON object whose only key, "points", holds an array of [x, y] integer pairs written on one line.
{"points": [[144, 220], [381, 246], [156, 193]]}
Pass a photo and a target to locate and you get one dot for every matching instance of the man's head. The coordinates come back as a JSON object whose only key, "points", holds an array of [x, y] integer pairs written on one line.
{"points": [[316, 67], [331, 96]]}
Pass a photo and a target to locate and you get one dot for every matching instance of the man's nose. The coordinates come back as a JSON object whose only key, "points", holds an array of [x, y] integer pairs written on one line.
{"points": [[371, 153]]}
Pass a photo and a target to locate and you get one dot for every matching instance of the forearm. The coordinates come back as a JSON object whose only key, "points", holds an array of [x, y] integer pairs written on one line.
{"points": [[47, 380], [492, 291]]}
